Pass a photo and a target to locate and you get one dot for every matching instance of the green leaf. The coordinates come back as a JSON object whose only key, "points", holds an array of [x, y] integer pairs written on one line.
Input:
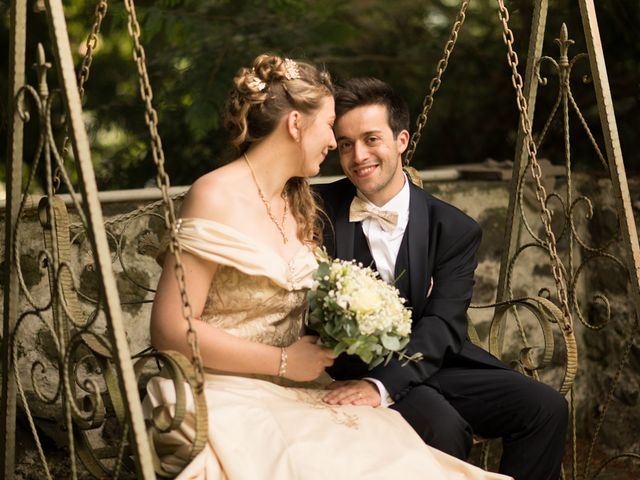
{"points": [[351, 327], [365, 354], [312, 298], [322, 271], [375, 362], [390, 342], [339, 348], [332, 330], [315, 317], [388, 359], [353, 348]]}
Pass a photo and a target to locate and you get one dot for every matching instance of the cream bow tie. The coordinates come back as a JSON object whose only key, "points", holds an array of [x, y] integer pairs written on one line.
{"points": [[361, 210]]}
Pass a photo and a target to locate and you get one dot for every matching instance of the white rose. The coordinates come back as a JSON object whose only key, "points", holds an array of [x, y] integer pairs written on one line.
{"points": [[365, 301]]}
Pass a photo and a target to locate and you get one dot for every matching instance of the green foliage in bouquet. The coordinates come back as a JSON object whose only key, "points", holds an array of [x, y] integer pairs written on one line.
{"points": [[354, 311]]}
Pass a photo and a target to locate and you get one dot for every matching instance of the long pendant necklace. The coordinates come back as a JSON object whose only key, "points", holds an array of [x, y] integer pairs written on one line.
{"points": [[267, 205]]}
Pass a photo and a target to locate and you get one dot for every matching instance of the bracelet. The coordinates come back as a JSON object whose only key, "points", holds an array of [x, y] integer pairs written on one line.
{"points": [[283, 362]]}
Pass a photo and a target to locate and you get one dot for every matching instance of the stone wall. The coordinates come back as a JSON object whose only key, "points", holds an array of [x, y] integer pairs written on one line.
{"points": [[601, 348]]}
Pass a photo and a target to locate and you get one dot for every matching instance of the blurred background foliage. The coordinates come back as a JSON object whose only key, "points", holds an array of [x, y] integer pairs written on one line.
{"points": [[194, 47]]}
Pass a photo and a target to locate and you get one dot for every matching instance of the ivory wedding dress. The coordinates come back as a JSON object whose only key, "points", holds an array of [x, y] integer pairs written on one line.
{"points": [[267, 427]]}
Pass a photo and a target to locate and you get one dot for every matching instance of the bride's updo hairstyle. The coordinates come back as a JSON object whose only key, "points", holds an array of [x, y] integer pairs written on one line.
{"points": [[261, 96]]}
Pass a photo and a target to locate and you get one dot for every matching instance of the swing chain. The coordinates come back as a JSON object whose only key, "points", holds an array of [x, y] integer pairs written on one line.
{"points": [[536, 171], [91, 44], [435, 83], [83, 76], [162, 179]]}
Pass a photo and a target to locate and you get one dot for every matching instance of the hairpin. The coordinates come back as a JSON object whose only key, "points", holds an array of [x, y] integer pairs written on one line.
{"points": [[291, 70]]}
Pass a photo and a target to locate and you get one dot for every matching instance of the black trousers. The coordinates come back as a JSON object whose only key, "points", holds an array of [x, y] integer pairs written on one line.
{"points": [[460, 401]]}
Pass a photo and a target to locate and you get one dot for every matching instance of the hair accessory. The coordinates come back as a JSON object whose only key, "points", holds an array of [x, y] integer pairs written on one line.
{"points": [[256, 84], [291, 70]]}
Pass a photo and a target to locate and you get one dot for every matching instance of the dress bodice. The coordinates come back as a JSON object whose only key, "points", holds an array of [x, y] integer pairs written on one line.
{"points": [[255, 293], [255, 308]]}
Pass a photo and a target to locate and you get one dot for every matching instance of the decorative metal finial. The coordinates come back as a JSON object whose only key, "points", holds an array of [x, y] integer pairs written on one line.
{"points": [[39, 6], [41, 67], [564, 42]]}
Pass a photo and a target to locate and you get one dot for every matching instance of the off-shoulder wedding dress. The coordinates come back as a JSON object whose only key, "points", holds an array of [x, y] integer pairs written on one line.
{"points": [[267, 427]]}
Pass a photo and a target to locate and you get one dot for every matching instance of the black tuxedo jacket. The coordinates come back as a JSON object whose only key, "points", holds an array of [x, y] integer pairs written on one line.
{"points": [[435, 267]]}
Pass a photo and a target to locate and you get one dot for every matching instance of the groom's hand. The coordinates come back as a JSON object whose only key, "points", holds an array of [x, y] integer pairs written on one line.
{"points": [[352, 392]]}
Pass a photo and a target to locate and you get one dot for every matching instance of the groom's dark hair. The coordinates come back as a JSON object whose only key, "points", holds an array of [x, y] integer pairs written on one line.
{"points": [[359, 92]]}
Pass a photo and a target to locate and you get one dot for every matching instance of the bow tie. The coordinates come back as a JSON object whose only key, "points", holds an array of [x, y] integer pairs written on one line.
{"points": [[361, 210]]}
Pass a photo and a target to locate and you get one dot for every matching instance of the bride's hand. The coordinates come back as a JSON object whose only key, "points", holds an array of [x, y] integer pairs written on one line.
{"points": [[306, 360]]}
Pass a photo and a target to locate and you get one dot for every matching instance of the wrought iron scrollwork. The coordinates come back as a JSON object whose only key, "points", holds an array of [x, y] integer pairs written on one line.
{"points": [[78, 372], [579, 252]]}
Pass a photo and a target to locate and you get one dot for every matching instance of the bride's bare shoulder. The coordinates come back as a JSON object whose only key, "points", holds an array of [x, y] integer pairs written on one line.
{"points": [[218, 195]]}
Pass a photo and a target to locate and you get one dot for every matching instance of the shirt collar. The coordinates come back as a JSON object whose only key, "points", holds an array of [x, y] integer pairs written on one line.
{"points": [[398, 203]]}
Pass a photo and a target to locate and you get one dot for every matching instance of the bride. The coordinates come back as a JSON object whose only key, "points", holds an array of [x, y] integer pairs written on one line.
{"points": [[247, 231]]}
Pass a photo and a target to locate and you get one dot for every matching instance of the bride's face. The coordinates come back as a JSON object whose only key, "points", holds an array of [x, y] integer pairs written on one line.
{"points": [[317, 137]]}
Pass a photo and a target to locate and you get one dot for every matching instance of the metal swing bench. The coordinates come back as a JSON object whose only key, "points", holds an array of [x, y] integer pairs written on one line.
{"points": [[96, 373]]}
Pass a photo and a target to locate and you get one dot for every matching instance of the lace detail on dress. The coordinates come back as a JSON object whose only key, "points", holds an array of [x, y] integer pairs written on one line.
{"points": [[255, 308], [339, 415]]}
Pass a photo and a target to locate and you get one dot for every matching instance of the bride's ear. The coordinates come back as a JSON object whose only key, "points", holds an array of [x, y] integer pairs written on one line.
{"points": [[294, 122]]}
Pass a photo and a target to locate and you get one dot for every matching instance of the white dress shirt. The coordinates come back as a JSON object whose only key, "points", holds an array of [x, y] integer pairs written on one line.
{"points": [[384, 247]]}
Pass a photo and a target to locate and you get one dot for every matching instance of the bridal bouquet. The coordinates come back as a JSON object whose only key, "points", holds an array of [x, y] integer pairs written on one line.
{"points": [[353, 310]]}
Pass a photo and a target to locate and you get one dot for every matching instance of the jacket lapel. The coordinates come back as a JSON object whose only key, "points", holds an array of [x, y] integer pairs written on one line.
{"points": [[401, 272], [361, 251], [345, 231], [418, 243]]}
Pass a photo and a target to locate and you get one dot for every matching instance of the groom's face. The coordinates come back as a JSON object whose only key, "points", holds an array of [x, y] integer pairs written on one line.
{"points": [[370, 154]]}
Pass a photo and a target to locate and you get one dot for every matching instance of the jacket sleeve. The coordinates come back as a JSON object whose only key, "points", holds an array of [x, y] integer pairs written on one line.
{"points": [[442, 327]]}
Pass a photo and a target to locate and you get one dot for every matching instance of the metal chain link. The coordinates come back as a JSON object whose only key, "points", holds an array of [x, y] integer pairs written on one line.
{"points": [[83, 76], [91, 44], [162, 179], [536, 171], [436, 81]]}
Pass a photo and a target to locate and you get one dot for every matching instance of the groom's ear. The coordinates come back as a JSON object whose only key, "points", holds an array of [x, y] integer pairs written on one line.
{"points": [[403, 140], [294, 121]]}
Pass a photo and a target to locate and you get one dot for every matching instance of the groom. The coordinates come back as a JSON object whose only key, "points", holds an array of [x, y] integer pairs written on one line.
{"points": [[428, 248]]}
